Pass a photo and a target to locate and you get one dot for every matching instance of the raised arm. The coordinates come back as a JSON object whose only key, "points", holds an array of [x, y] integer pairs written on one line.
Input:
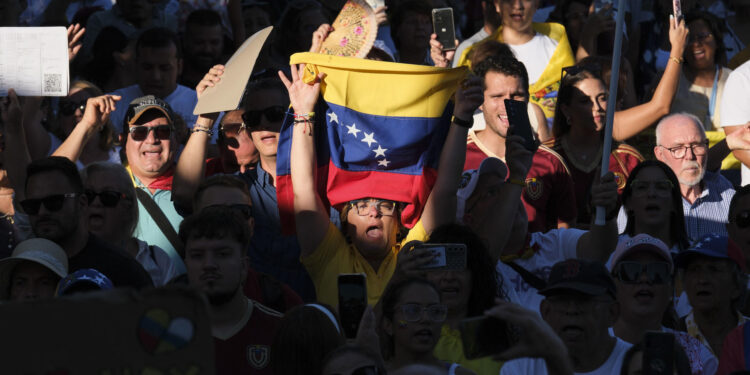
{"points": [[310, 215], [95, 116], [634, 120], [192, 163], [600, 241], [16, 155], [440, 208]]}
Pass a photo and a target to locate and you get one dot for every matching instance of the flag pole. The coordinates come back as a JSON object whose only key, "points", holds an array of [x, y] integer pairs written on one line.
{"points": [[611, 103]]}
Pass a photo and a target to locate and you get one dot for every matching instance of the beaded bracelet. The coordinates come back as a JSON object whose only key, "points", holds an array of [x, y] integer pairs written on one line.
{"points": [[306, 116], [204, 130], [678, 60]]}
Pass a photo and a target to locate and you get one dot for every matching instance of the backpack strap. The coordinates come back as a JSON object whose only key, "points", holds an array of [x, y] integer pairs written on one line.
{"points": [[161, 220]]}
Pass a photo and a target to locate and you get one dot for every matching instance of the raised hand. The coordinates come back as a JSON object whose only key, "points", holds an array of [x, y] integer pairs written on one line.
{"points": [[740, 138], [10, 110], [302, 96], [75, 33], [98, 110], [210, 79], [380, 16], [604, 193], [517, 157], [441, 58], [469, 96], [678, 33], [319, 36]]}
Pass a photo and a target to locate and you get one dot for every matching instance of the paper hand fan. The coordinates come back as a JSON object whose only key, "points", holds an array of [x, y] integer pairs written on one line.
{"points": [[354, 31]]}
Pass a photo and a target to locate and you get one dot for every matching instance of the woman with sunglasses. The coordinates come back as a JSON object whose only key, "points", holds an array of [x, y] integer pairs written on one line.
{"points": [[411, 322], [113, 215], [92, 140], [642, 268]]}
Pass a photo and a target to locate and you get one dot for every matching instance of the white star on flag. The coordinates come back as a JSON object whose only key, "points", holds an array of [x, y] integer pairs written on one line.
{"points": [[369, 139], [383, 162], [353, 130], [332, 117], [380, 151]]}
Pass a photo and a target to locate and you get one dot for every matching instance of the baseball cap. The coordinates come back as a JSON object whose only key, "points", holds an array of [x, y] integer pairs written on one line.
{"points": [[582, 276], [713, 246], [37, 250], [139, 106], [641, 242], [83, 280], [470, 178]]}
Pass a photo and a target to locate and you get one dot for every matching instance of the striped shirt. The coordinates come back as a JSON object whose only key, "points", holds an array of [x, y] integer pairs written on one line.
{"points": [[710, 212]]}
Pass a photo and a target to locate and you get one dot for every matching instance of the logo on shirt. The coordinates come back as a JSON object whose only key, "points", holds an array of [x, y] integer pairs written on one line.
{"points": [[258, 356], [534, 188]]}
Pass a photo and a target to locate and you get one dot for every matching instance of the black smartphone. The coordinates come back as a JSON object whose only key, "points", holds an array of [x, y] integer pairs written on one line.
{"points": [[448, 256], [483, 336], [352, 301], [442, 25], [518, 117], [658, 353]]}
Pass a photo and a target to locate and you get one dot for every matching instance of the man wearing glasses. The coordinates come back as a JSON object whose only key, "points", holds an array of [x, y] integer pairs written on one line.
{"points": [[681, 143]]}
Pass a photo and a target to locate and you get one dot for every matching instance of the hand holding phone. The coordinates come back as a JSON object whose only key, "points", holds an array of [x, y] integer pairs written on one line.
{"points": [[677, 11], [518, 117], [442, 25], [446, 256], [352, 301]]}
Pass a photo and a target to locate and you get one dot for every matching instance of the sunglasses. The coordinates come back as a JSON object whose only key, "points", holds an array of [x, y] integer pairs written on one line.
{"points": [[742, 219], [245, 209], [630, 272], [233, 129], [273, 114], [366, 370], [52, 203], [108, 198], [140, 132], [67, 108]]}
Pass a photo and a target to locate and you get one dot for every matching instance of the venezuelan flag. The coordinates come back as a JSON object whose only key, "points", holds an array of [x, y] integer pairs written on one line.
{"points": [[380, 129]]}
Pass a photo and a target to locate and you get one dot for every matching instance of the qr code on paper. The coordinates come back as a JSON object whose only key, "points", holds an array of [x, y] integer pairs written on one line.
{"points": [[53, 82]]}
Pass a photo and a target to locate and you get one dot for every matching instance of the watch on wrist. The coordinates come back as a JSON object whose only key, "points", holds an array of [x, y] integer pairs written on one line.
{"points": [[461, 122]]}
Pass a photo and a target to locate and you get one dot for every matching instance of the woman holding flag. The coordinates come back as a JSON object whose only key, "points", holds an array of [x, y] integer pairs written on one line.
{"points": [[371, 231]]}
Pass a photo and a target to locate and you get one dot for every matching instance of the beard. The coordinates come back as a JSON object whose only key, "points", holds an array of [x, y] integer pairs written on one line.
{"points": [[218, 299], [694, 180]]}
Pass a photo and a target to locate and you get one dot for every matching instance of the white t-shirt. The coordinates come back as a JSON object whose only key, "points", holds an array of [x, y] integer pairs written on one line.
{"points": [[536, 366], [535, 54], [735, 106], [554, 246]]}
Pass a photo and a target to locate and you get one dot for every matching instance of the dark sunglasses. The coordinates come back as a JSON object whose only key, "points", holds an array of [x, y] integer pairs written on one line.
{"points": [[742, 219], [68, 108], [140, 132], [245, 209], [366, 370], [108, 198], [52, 203], [273, 114], [630, 272]]}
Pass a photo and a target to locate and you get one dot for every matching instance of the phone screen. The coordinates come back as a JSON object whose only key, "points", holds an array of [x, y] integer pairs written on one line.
{"points": [[448, 256], [442, 25], [352, 302], [518, 117], [677, 9], [484, 336]]}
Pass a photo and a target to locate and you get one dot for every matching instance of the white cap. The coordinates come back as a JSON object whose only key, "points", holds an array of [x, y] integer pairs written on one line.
{"points": [[470, 178], [37, 250]]}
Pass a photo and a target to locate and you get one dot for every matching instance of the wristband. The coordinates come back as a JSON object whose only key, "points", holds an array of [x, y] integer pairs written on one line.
{"points": [[677, 60], [307, 115], [517, 182], [204, 130], [462, 123]]}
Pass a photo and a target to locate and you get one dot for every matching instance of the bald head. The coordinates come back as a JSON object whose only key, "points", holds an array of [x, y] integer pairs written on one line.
{"points": [[679, 122], [681, 144]]}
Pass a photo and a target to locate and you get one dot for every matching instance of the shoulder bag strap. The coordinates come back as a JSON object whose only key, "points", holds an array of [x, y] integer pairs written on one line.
{"points": [[535, 281], [161, 220]]}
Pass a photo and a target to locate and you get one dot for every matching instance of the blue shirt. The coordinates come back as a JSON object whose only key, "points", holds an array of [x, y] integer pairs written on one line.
{"points": [[710, 212], [271, 251]]}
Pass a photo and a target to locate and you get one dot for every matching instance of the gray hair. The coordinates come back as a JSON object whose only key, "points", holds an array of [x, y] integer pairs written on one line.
{"points": [[698, 123], [122, 180]]}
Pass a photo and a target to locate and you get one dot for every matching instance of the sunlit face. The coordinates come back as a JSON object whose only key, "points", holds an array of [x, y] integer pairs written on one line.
{"points": [[415, 337], [710, 284], [679, 131], [373, 234], [237, 150], [499, 87], [700, 53], [644, 300], [588, 106], [216, 267], [152, 156], [111, 223], [32, 281], [157, 70], [517, 14], [653, 206]]}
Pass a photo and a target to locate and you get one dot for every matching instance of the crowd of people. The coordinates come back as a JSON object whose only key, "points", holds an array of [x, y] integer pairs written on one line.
{"points": [[119, 185]]}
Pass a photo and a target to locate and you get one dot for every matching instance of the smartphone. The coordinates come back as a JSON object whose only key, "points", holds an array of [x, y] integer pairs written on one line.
{"points": [[518, 117], [375, 4], [677, 9], [483, 336], [442, 25], [448, 256], [658, 353], [352, 301]]}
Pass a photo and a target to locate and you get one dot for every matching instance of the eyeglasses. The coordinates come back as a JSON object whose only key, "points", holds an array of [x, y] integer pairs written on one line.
{"points": [[700, 38], [742, 219], [365, 370], [385, 208], [662, 188], [52, 203], [245, 209], [68, 108], [413, 312], [233, 129], [698, 149], [140, 132], [630, 272], [109, 198], [273, 114]]}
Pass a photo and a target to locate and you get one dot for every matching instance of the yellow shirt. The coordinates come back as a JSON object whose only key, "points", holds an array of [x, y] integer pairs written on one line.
{"points": [[334, 256], [450, 349]]}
